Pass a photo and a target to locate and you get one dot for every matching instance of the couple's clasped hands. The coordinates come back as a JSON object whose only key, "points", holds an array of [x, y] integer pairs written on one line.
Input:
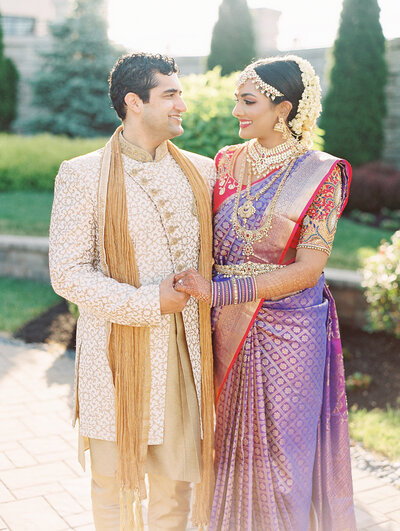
{"points": [[175, 290]]}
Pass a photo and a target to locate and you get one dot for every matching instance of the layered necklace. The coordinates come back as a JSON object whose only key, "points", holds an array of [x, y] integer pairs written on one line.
{"points": [[247, 210], [264, 160]]}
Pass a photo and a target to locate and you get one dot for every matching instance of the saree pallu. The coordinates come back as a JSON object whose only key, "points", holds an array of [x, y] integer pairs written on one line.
{"points": [[282, 445]]}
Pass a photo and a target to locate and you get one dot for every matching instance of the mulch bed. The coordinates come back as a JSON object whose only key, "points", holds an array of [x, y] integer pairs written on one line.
{"points": [[376, 354], [57, 325]]}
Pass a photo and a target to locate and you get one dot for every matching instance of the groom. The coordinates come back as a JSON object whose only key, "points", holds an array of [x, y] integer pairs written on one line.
{"points": [[125, 219]]}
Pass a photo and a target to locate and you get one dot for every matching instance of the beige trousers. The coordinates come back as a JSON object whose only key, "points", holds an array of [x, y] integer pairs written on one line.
{"points": [[169, 500], [171, 466]]}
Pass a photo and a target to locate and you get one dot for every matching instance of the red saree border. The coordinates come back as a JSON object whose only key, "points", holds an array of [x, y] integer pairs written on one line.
{"points": [[303, 213], [239, 348]]}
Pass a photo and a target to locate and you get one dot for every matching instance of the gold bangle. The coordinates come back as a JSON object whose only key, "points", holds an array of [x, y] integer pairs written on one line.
{"points": [[234, 290], [255, 288]]}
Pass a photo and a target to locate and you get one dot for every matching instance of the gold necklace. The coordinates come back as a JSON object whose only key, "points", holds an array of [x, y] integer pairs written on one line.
{"points": [[252, 235], [247, 209], [264, 160]]}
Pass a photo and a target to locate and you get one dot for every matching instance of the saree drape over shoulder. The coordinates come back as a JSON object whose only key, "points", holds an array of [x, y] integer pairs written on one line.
{"points": [[282, 444]]}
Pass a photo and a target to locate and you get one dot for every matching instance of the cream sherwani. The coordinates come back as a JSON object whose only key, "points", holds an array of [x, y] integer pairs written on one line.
{"points": [[163, 224]]}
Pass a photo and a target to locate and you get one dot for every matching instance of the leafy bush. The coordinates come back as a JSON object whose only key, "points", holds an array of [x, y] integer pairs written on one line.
{"points": [[31, 163], [208, 123], [381, 279], [374, 186]]}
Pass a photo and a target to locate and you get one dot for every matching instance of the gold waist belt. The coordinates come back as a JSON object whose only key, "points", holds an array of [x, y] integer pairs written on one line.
{"points": [[247, 269]]}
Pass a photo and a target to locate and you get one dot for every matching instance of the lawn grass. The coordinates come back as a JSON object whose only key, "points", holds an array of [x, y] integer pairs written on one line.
{"points": [[377, 430], [23, 300], [25, 213], [354, 243]]}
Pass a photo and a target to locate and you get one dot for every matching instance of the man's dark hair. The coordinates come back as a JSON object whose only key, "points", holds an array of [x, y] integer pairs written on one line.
{"points": [[136, 73]]}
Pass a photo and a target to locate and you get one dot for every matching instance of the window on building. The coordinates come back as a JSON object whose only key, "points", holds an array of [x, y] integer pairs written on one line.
{"points": [[17, 26]]}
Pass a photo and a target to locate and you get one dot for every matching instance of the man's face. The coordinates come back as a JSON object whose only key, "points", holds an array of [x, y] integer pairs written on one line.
{"points": [[162, 115]]}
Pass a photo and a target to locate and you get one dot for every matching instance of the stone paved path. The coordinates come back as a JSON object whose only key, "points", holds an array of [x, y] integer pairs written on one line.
{"points": [[42, 487]]}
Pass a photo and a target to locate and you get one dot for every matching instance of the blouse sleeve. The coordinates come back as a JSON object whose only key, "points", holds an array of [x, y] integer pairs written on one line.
{"points": [[319, 224]]}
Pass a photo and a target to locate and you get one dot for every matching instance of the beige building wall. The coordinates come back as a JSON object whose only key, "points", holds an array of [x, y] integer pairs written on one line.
{"points": [[265, 23], [42, 11], [26, 36]]}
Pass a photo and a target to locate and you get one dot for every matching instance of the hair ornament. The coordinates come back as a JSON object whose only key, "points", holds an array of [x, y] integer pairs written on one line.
{"points": [[309, 108], [304, 123], [249, 74]]}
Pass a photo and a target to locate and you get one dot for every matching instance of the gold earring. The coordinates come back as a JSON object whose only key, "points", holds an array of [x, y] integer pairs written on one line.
{"points": [[281, 127]]}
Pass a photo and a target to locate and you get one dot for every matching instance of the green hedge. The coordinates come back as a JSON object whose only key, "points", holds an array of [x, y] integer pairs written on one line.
{"points": [[31, 162]]}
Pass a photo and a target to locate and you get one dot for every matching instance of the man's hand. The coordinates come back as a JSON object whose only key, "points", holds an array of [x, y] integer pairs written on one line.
{"points": [[191, 282], [171, 301]]}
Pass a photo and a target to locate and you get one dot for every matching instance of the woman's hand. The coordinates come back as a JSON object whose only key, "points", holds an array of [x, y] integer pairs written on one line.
{"points": [[192, 283]]}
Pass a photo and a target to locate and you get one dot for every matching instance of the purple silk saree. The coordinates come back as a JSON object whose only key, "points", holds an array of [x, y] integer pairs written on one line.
{"points": [[282, 445]]}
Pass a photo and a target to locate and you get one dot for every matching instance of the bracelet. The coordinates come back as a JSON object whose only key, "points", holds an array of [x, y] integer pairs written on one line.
{"points": [[233, 291]]}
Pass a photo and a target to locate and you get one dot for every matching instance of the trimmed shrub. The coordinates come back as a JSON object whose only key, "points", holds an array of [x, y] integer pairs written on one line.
{"points": [[32, 162], [8, 88], [232, 42], [374, 186], [381, 280], [354, 108]]}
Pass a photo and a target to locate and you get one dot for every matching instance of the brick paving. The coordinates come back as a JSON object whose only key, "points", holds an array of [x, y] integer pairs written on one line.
{"points": [[43, 488]]}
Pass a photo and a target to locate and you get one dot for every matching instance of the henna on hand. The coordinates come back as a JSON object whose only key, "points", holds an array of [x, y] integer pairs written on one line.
{"points": [[192, 283]]}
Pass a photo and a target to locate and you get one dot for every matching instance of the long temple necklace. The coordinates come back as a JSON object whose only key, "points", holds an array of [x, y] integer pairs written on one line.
{"points": [[247, 210]]}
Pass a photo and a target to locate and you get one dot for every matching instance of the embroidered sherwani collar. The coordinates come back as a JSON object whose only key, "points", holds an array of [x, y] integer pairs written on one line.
{"points": [[139, 154]]}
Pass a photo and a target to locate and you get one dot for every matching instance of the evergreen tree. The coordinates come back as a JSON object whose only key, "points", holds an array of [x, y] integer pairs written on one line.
{"points": [[232, 43], [8, 88], [354, 108], [72, 84]]}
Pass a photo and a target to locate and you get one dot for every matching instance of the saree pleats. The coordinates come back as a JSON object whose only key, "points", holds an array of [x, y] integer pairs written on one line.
{"points": [[267, 418]]}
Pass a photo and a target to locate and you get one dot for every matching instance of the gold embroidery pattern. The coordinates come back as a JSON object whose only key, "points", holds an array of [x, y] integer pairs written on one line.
{"points": [[76, 275]]}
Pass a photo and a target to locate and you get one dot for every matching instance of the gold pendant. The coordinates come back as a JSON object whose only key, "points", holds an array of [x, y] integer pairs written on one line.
{"points": [[247, 210]]}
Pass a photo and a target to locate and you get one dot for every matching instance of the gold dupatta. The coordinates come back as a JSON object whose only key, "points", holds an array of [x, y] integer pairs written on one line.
{"points": [[129, 347]]}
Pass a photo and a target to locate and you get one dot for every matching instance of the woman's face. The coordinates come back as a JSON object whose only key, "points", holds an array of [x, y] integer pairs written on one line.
{"points": [[256, 113]]}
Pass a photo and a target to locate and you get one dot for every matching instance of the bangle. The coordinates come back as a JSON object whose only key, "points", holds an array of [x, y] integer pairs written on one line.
{"points": [[254, 279], [233, 291]]}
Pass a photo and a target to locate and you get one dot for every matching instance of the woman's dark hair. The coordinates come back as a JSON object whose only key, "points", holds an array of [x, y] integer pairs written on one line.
{"points": [[284, 75], [136, 73]]}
